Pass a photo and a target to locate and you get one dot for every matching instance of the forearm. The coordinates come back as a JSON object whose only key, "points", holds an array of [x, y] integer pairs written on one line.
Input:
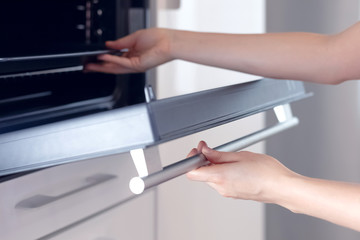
{"points": [[335, 202], [299, 56]]}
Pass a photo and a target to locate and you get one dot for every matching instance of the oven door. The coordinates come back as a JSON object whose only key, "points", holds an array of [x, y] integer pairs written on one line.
{"points": [[139, 126]]}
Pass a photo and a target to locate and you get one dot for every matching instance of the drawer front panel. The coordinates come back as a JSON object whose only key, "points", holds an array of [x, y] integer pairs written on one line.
{"points": [[131, 220], [46, 201]]}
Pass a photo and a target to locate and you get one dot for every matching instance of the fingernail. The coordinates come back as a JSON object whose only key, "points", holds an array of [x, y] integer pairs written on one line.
{"points": [[191, 173]]}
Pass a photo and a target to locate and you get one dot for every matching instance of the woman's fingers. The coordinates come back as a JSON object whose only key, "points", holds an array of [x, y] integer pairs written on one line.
{"points": [[197, 150], [101, 67], [111, 64], [193, 152], [125, 42], [146, 49], [201, 145], [210, 174], [121, 62], [218, 157]]}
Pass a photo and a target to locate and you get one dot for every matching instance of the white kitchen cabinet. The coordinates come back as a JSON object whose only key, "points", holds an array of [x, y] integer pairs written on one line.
{"points": [[189, 210], [133, 219], [43, 203]]}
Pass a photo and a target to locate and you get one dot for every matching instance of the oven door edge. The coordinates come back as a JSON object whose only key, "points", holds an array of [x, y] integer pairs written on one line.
{"points": [[100, 134], [140, 126]]}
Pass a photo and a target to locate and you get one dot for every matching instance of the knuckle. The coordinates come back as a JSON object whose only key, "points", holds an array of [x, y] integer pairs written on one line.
{"points": [[224, 193], [227, 195], [217, 179], [137, 65]]}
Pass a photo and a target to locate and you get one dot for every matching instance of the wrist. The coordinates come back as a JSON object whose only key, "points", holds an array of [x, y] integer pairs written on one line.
{"points": [[282, 191], [184, 45], [175, 39], [290, 192]]}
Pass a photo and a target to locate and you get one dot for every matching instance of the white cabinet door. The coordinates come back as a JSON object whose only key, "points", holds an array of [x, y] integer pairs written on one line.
{"points": [[131, 220], [188, 210], [38, 204]]}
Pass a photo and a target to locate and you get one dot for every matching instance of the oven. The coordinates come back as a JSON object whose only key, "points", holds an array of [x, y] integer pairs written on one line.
{"points": [[42, 53], [78, 146]]}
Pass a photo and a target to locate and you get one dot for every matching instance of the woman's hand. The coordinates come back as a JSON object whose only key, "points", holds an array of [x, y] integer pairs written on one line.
{"points": [[243, 175], [259, 177], [147, 49]]}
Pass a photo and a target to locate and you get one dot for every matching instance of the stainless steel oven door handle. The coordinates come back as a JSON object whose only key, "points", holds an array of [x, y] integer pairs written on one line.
{"points": [[41, 200], [138, 185]]}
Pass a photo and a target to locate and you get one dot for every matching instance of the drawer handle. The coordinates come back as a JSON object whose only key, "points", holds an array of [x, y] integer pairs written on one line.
{"points": [[41, 200], [139, 184]]}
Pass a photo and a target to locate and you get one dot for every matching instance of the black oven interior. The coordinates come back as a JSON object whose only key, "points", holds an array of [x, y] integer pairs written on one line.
{"points": [[31, 91], [40, 27]]}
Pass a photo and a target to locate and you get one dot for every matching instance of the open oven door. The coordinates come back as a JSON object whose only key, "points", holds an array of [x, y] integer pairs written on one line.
{"points": [[146, 124]]}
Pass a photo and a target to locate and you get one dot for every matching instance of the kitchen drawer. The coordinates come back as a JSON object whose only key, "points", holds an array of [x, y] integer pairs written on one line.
{"points": [[45, 201], [133, 220]]}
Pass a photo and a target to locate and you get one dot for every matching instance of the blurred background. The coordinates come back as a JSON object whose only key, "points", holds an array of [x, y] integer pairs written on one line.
{"points": [[326, 143]]}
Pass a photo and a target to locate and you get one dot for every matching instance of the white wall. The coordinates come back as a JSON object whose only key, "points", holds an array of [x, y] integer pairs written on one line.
{"points": [[226, 16], [326, 143]]}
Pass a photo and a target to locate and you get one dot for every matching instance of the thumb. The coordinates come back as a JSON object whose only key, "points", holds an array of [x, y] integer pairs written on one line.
{"points": [[125, 42], [217, 157]]}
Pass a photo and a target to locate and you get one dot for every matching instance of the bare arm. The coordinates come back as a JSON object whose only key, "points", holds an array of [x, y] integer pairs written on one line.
{"points": [[301, 56], [251, 176], [336, 202]]}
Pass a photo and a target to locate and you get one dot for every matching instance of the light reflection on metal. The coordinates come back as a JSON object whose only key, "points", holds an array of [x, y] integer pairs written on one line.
{"points": [[283, 112], [138, 158]]}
